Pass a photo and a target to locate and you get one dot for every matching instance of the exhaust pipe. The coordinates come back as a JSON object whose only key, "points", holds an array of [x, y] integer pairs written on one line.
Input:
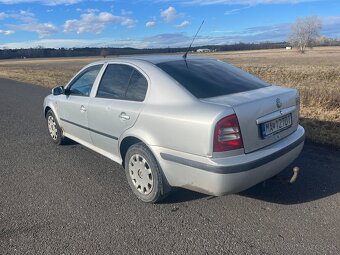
{"points": [[290, 180], [296, 171]]}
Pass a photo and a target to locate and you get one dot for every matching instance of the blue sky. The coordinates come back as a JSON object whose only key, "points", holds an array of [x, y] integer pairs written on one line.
{"points": [[155, 23]]}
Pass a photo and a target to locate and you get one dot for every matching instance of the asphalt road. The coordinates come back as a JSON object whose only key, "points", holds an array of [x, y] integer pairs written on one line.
{"points": [[69, 200]]}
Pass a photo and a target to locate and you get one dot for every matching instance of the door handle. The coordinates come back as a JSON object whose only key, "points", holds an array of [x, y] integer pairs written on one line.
{"points": [[124, 116], [82, 108]]}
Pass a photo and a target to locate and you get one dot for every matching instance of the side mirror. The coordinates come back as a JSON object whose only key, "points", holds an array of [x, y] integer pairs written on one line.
{"points": [[60, 90]]}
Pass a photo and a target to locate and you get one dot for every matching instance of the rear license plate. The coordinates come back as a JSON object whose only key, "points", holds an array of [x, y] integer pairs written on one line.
{"points": [[275, 126]]}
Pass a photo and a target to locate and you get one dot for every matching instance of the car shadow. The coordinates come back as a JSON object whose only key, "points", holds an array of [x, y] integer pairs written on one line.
{"points": [[319, 177], [180, 195], [69, 142]]}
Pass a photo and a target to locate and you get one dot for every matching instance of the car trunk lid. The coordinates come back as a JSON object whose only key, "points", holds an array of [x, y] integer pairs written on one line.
{"points": [[261, 112]]}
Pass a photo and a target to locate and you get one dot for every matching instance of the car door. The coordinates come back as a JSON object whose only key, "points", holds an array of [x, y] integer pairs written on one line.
{"points": [[116, 105], [73, 105]]}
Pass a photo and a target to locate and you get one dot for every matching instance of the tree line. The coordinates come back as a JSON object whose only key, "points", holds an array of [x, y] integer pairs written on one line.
{"points": [[305, 33], [41, 52]]}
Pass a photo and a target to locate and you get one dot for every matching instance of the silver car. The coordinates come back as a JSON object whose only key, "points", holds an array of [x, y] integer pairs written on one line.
{"points": [[196, 123]]}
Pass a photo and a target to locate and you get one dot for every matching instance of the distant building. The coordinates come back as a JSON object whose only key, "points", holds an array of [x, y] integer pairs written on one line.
{"points": [[288, 48], [203, 50]]}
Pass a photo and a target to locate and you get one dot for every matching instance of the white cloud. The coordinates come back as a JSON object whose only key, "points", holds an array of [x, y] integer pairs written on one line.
{"points": [[6, 32], [125, 12], [23, 15], [89, 10], [71, 43], [150, 24], [46, 43], [92, 23], [183, 24], [167, 40], [31, 24], [169, 14], [331, 26], [129, 23], [43, 29], [45, 2], [274, 33], [231, 12], [238, 2], [186, 2], [221, 31], [331, 20], [235, 11], [3, 15]]}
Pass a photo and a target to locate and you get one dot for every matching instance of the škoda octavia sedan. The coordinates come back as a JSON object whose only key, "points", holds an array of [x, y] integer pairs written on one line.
{"points": [[196, 123]]}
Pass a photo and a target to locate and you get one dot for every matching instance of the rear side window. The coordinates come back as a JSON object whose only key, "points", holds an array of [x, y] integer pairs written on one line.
{"points": [[138, 86], [210, 78], [122, 82], [115, 81]]}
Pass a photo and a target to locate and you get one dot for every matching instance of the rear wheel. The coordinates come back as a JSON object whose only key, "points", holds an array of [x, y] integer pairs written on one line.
{"points": [[144, 175], [54, 129]]}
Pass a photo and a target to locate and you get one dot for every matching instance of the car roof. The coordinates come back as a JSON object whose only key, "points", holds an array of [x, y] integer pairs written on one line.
{"points": [[154, 59]]}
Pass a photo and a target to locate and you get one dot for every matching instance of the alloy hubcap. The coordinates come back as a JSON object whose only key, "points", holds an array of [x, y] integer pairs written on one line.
{"points": [[52, 127], [140, 174]]}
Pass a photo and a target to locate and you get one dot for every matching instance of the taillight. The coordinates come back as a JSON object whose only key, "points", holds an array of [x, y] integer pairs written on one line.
{"points": [[227, 135]]}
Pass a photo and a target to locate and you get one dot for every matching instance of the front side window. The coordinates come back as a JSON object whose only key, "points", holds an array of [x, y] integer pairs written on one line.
{"points": [[82, 84], [122, 82]]}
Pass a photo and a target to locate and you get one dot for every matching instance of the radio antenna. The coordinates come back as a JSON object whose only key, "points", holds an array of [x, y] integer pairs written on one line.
{"points": [[186, 53]]}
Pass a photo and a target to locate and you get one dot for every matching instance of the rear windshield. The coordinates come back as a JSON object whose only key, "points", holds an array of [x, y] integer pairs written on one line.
{"points": [[206, 78]]}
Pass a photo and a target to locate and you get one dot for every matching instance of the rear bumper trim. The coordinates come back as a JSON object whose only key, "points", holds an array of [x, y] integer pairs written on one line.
{"points": [[242, 167]]}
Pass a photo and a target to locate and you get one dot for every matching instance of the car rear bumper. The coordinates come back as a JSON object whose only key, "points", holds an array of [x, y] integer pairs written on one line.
{"points": [[219, 176]]}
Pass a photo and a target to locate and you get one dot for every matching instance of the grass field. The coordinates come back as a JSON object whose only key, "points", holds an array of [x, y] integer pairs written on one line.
{"points": [[316, 74]]}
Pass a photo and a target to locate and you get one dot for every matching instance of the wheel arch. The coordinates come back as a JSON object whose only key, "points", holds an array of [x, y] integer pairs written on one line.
{"points": [[126, 143], [47, 108], [133, 136], [52, 108]]}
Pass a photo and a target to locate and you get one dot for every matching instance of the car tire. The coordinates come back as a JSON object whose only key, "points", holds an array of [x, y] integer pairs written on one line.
{"points": [[144, 174], [54, 130]]}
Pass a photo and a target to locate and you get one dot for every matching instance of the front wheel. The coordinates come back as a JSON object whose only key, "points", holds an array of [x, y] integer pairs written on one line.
{"points": [[54, 129], [144, 174]]}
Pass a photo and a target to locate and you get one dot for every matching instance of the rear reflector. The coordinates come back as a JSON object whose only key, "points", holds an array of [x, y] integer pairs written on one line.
{"points": [[227, 135]]}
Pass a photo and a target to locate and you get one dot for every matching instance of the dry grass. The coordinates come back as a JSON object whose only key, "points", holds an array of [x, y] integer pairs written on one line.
{"points": [[316, 74], [43, 72]]}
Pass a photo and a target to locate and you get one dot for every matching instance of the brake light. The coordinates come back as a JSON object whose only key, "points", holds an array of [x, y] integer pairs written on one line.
{"points": [[227, 135]]}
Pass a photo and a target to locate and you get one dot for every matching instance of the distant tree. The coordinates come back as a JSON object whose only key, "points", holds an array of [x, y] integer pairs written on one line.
{"points": [[305, 32], [325, 41]]}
